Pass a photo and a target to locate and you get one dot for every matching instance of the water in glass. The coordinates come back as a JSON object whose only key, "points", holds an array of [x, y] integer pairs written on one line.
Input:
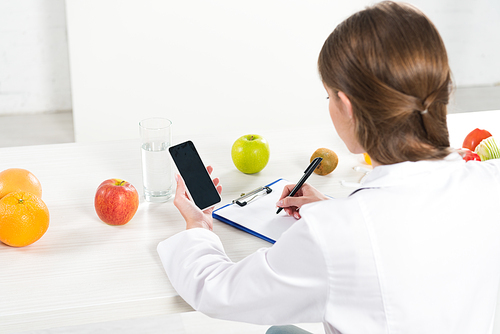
{"points": [[157, 174]]}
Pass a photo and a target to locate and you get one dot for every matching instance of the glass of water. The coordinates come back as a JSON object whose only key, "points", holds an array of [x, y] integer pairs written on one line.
{"points": [[156, 136]]}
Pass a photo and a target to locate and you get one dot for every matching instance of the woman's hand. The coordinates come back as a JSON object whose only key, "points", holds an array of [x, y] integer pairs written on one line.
{"points": [[193, 216], [306, 194]]}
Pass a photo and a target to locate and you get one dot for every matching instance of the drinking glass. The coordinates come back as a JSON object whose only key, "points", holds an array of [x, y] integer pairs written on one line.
{"points": [[156, 137]]}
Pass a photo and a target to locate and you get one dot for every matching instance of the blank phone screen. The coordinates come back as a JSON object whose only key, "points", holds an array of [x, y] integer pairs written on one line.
{"points": [[198, 182]]}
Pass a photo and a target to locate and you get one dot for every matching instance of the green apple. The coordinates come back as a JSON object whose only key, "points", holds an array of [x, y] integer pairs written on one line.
{"points": [[250, 153]]}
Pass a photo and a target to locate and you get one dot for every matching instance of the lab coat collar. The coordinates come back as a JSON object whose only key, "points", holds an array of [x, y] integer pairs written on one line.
{"points": [[403, 172]]}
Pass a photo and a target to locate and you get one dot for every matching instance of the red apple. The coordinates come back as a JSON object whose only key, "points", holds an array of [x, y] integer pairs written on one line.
{"points": [[116, 201]]}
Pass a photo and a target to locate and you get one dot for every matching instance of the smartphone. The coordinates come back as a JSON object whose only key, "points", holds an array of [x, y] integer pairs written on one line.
{"points": [[201, 189]]}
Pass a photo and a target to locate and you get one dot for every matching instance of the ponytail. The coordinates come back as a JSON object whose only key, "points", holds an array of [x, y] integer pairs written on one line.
{"points": [[391, 63]]}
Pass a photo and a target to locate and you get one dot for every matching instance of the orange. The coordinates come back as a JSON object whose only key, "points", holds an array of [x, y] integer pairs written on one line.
{"points": [[368, 160], [18, 179], [24, 218]]}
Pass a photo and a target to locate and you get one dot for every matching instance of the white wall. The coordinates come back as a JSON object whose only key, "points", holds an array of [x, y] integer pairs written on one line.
{"points": [[209, 65], [34, 64], [471, 33]]}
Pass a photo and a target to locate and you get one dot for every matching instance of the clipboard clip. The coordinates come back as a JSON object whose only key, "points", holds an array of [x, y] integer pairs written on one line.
{"points": [[243, 199]]}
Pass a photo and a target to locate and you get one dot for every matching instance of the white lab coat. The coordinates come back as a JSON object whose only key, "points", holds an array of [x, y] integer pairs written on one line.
{"points": [[416, 250]]}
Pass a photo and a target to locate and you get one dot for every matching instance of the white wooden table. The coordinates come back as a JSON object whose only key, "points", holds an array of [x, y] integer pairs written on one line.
{"points": [[84, 271]]}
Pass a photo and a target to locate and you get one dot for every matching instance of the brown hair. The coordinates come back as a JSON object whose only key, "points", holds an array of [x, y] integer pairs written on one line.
{"points": [[390, 61]]}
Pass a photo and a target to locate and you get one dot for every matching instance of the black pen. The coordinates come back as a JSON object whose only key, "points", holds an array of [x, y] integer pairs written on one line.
{"points": [[314, 164]]}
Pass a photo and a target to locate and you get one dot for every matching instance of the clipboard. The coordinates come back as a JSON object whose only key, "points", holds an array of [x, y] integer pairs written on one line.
{"points": [[255, 212]]}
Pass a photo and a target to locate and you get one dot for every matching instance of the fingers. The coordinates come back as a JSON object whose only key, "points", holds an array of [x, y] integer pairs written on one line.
{"points": [[181, 187], [216, 181], [287, 190], [284, 203], [217, 185], [293, 202], [193, 216], [291, 206], [292, 211], [180, 191], [209, 210]]}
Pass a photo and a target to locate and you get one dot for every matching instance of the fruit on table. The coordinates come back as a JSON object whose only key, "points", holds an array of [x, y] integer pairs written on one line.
{"points": [[329, 163], [116, 201], [18, 179], [24, 218], [474, 138], [250, 153], [368, 160], [488, 149], [468, 155]]}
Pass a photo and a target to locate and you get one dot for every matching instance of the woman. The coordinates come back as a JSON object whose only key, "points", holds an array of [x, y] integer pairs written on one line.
{"points": [[406, 253]]}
